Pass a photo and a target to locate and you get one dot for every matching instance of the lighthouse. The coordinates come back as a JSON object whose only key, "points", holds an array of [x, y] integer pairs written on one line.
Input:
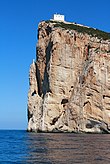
{"points": [[58, 17]]}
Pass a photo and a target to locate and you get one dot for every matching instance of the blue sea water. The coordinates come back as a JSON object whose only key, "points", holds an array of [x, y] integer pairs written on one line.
{"points": [[21, 147]]}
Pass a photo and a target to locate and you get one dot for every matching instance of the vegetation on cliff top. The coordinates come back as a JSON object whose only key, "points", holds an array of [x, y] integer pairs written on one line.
{"points": [[83, 29]]}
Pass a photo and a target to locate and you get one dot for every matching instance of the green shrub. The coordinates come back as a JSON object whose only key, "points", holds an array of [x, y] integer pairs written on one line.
{"points": [[82, 29]]}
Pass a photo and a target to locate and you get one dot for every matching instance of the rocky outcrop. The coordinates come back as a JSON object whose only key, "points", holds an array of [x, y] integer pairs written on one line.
{"points": [[70, 80]]}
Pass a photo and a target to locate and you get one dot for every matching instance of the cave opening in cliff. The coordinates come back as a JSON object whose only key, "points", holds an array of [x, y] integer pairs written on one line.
{"points": [[64, 101], [33, 93]]}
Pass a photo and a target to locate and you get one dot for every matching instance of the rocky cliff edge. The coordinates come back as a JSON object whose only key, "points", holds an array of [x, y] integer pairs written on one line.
{"points": [[70, 80]]}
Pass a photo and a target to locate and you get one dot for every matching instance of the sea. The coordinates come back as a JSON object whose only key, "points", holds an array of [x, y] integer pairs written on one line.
{"points": [[21, 147]]}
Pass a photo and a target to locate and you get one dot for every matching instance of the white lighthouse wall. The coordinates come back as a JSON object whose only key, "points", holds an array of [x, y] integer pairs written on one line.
{"points": [[58, 17]]}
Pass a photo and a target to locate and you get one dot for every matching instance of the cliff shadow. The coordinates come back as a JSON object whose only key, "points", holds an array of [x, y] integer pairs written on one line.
{"points": [[45, 85]]}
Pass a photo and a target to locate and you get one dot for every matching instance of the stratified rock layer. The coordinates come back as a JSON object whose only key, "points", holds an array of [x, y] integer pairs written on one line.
{"points": [[69, 82]]}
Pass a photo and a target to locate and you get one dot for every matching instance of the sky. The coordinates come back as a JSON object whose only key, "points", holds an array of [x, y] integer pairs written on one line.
{"points": [[19, 21]]}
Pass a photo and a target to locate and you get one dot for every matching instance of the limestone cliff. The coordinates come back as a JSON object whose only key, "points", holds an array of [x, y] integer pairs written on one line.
{"points": [[70, 80]]}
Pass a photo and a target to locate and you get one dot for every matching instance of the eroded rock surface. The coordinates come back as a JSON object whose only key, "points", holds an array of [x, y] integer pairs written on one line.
{"points": [[69, 82]]}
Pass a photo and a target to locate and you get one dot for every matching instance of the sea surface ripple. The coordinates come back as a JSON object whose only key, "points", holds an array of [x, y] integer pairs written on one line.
{"points": [[21, 147]]}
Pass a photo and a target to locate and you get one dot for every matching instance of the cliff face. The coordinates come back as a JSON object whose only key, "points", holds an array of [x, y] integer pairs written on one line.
{"points": [[70, 80]]}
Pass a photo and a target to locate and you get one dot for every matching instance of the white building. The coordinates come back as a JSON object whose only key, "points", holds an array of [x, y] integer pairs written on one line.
{"points": [[59, 17]]}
